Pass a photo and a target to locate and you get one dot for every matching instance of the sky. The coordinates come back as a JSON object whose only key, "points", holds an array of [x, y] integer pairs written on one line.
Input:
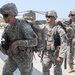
{"points": [[62, 7]]}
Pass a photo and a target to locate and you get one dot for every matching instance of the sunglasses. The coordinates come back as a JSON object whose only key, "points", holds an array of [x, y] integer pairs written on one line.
{"points": [[49, 16], [72, 15], [5, 15]]}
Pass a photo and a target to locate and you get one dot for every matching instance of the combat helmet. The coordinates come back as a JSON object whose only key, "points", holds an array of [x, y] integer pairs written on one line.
{"points": [[10, 9], [51, 13], [72, 12], [30, 15]]}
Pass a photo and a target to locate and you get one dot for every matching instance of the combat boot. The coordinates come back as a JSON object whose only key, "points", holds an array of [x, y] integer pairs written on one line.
{"points": [[70, 69]]}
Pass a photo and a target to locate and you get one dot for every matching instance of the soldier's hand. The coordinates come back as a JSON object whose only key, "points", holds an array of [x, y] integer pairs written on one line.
{"points": [[59, 59], [13, 46], [73, 41], [39, 54]]}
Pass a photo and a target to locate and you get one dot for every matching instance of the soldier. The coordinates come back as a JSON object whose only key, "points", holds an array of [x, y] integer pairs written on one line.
{"points": [[53, 53], [72, 49], [23, 39]]}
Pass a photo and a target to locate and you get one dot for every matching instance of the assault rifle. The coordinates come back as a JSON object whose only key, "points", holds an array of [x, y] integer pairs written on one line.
{"points": [[5, 42]]}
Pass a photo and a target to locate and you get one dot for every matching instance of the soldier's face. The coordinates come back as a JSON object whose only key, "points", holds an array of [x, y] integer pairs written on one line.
{"points": [[49, 19], [72, 17], [6, 18]]}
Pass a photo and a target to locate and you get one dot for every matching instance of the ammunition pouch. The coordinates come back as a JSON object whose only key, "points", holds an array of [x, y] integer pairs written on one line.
{"points": [[50, 46]]}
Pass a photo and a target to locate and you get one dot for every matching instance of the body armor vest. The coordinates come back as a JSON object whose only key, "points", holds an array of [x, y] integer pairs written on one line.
{"points": [[52, 38]]}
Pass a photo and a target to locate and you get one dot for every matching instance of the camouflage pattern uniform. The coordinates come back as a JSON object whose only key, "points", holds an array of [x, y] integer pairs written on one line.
{"points": [[29, 17], [51, 53], [72, 49], [26, 39]]}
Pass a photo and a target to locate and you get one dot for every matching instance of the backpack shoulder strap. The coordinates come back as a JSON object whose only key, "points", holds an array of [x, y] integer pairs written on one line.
{"points": [[56, 37]]}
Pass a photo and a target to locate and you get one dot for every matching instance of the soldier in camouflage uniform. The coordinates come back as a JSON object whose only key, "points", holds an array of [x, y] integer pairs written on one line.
{"points": [[53, 54], [72, 49], [23, 40]]}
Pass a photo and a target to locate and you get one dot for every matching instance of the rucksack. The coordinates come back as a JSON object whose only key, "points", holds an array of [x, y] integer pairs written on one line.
{"points": [[57, 40], [39, 32], [62, 25], [66, 25]]}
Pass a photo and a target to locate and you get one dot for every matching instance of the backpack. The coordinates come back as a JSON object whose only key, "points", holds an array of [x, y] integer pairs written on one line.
{"points": [[57, 40], [39, 32], [62, 25], [66, 25]]}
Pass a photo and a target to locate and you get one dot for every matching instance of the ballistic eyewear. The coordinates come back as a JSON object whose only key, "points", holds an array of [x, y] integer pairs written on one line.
{"points": [[72, 15], [49, 16], [5, 15]]}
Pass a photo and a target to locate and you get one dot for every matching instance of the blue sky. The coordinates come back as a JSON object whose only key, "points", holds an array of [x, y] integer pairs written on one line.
{"points": [[62, 7]]}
